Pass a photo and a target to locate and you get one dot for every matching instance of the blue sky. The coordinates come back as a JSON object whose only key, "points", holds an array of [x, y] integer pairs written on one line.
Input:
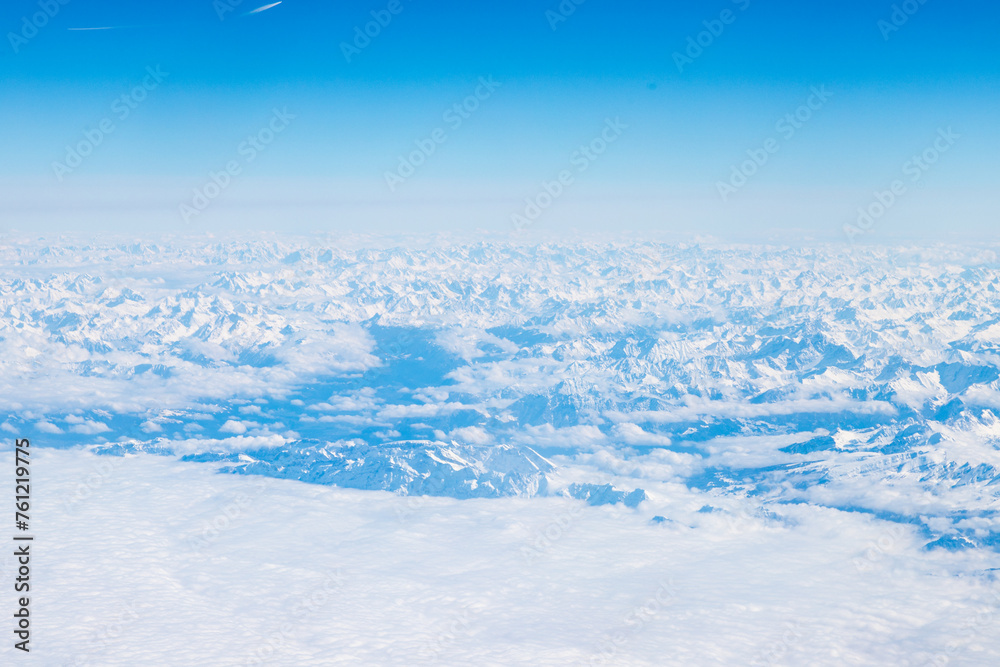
{"points": [[559, 76]]}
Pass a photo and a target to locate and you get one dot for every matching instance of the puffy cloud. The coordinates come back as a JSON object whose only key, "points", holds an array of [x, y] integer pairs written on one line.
{"points": [[632, 434], [89, 427], [47, 427], [150, 427], [473, 435], [233, 426]]}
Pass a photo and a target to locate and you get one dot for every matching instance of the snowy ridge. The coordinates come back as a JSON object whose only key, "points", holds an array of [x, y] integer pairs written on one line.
{"points": [[412, 468], [788, 375]]}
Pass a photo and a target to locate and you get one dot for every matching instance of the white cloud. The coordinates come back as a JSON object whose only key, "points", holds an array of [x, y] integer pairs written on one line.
{"points": [[89, 427], [633, 434], [698, 408], [582, 436], [421, 410], [233, 426], [237, 444], [657, 584], [474, 435]]}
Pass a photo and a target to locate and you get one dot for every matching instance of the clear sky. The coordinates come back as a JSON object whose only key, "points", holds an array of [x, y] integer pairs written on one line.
{"points": [[669, 97]]}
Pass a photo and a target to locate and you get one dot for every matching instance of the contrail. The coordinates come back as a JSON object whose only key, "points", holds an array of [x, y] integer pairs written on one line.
{"points": [[260, 9], [119, 27]]}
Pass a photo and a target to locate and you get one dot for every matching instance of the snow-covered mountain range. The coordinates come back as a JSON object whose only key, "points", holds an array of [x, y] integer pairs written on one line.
{"points": [[861, 379]]}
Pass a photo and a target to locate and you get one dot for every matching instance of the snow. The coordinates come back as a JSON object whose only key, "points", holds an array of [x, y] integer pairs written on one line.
{"points": [[507, 449]]}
